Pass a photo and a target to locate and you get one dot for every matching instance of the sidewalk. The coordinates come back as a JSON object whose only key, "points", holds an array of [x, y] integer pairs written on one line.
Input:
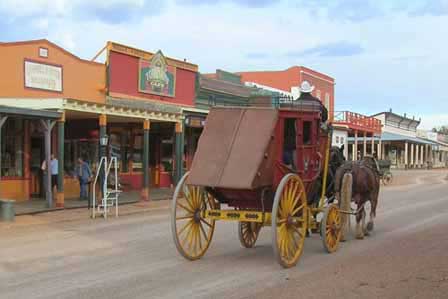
{"points": [[40, 206]]}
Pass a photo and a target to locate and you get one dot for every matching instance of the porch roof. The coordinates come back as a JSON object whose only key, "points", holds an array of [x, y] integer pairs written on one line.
{"points": [[29, 113], [387, 136]]}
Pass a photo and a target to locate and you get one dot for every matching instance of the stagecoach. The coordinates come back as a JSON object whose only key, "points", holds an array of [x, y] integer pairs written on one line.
{"points": [[259, 166]]}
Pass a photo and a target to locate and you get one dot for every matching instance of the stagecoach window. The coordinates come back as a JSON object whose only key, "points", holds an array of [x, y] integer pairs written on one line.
{"points": [[289, 143], [306, 132]]}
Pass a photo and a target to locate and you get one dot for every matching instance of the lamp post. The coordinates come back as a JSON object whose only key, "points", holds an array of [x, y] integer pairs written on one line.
{"points": [[104, 140]]}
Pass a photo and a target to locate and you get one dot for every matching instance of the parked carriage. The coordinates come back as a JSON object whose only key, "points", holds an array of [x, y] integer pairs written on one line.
{"points": [[384, 171], [259, 167]]}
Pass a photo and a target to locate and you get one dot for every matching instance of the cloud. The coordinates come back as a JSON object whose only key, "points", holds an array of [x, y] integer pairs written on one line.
{"points": [[248, 3], [433, 8], [336, 49], [257, 55]]}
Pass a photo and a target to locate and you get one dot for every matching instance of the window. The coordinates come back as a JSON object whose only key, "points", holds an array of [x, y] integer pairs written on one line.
{"points": [[289, 141], [307, 132], [342, 140], [137, 153], [327, 101], [337, 139], [12, 148], [43, 52]]}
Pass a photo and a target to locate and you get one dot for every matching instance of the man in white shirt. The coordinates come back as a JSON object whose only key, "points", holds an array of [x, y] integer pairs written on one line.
{"points": [[54, 167]]}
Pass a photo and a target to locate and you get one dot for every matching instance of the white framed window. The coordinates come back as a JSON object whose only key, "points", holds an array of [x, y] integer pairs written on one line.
{"points": [[337, 139], [342, 140], [327, 101], [43, 52]]}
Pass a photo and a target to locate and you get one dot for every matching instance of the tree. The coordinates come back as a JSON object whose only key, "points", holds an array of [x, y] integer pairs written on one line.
{"points": [[441, 130]]}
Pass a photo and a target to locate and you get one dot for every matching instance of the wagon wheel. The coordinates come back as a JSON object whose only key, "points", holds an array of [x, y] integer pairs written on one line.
{"points": [[387, 178], [331, 228], [289, 220], [248, 233], [192, 233], [345, 199]]}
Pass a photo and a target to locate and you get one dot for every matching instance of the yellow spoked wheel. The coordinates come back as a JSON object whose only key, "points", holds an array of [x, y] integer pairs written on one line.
{"points": [[248, 233], [289, 220], [331, 228], [192, 233]]}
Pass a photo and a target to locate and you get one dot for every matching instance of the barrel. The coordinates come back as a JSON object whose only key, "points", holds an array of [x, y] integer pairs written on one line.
{"points": [[7, 212]]}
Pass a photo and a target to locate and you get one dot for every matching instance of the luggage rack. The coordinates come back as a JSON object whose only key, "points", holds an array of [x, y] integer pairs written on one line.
{"points": [[276, 102]]}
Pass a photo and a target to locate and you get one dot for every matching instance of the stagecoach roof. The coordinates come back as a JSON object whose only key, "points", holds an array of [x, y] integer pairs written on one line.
{"points": [[232, 147]]}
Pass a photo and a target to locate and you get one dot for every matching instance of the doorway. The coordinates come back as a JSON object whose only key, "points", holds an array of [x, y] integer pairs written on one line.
{"points": [[36, 158]]}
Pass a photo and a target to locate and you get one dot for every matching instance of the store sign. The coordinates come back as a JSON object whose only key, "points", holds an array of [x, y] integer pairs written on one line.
{"points": [[195, 122], [156, 76], [43, 76]]}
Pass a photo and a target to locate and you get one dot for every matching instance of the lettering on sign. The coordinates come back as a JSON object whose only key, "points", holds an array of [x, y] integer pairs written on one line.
{"points": [[43, 76]]}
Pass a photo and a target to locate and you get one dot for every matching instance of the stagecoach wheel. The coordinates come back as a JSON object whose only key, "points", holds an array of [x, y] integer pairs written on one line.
{"points": [[289, 220], [330, 228], [248, 233], [387, 178], [192, 233]]}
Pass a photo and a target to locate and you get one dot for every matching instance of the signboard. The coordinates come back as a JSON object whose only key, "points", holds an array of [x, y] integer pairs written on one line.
{"points": [[43, 76], [195, 122], [156, 76]]}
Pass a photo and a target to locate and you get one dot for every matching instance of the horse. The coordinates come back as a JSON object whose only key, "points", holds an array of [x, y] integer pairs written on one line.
{"points": [[365, 188], [336, 159]]}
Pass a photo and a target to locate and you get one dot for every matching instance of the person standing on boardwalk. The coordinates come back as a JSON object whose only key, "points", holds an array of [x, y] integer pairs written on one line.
{"points": [[84, 175]]}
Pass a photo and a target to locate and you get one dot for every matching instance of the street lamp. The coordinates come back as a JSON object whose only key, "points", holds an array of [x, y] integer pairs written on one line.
{"points": [[104, 140]]}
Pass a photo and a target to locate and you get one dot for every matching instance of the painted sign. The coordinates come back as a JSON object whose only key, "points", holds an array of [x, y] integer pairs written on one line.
{"points": [[43, 76], [156, 76]]}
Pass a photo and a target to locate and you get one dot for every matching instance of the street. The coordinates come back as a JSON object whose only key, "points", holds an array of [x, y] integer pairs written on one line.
{"points": [[133, 256]]}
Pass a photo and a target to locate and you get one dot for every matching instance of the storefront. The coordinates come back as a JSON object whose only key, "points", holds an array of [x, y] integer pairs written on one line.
{"points": [[165, 88]]}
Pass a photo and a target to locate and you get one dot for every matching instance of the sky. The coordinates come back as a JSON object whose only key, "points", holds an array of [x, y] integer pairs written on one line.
{"points": [[383, 54]]}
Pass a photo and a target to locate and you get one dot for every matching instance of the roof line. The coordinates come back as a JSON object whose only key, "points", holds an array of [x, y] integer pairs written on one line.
{"points": [[43, 40]]}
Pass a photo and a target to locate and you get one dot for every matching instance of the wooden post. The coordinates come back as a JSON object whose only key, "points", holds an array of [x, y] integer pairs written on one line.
{"points": [[365, 144], [179, 151], [373, 144], [406, 155], [61, 138], [2, 122], [145, 183], [48, 126], [355, 147]]}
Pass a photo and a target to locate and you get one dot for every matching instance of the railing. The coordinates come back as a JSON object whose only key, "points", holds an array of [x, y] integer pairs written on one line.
{"points": [[357, 121], [110, 197]]}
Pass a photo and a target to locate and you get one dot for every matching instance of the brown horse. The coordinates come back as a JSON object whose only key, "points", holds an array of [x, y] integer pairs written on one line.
{"points": [[365, 187]]}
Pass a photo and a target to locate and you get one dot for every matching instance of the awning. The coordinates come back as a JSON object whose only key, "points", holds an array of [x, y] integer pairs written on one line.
{"points": [[387, 136]]}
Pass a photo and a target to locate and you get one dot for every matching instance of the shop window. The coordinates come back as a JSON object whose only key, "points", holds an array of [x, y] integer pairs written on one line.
{"points": [[69, 158], [167, 153], [12, 148], [116, 148], [137, 153]]}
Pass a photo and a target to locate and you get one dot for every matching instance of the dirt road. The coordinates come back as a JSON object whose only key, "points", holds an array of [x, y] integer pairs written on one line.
{"points": [[134, 257]]}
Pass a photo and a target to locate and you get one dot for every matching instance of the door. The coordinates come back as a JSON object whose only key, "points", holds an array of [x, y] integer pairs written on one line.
{"points": [[36, 158]]}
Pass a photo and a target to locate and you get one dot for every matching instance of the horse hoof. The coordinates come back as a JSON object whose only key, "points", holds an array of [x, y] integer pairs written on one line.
{"points": [[370, 226]]}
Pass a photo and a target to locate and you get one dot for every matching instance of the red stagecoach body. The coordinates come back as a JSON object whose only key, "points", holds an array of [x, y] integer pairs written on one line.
{"points": [[240, 156]]}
